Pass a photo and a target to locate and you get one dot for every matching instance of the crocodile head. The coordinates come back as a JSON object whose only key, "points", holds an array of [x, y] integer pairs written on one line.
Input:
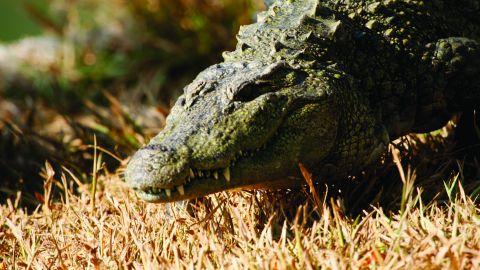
{"points": [[237, 125]]}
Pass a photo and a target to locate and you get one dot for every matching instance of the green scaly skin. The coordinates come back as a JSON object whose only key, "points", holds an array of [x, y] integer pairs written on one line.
{"points": [[326, 83]]}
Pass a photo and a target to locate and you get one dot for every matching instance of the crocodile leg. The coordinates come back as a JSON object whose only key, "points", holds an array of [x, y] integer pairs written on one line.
{"points": [[361, 138], [456, 82]]}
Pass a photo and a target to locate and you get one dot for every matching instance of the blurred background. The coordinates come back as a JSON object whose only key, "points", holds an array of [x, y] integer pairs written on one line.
{"points": [[70, 70], [12, 13]]}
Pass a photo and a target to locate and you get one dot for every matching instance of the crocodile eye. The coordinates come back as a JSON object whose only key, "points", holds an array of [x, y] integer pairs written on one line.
{"points": [[271, 82], [252, 91]]}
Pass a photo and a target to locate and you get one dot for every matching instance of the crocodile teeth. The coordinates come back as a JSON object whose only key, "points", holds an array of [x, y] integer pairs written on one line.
{"points": [[192, 174], [215, 175], [181, 190], [168, 192], [200, 173], [226, 174]]}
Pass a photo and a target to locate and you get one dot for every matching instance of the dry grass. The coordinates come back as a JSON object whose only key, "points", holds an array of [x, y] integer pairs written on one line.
{"points": [[254, 230]]}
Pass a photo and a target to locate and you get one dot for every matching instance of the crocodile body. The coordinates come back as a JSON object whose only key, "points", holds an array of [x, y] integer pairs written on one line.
{"points": [[325, 83]]}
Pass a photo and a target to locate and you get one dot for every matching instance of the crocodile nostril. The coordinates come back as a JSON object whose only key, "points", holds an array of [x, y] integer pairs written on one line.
{"points": [[156, 147], [181, 101]]}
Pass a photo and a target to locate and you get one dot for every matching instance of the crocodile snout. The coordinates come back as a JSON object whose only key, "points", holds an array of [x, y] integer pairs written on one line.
{"points": [[158, 167]]}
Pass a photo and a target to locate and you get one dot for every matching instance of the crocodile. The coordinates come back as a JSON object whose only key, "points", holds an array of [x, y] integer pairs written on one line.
{"points": [[328, 84]]}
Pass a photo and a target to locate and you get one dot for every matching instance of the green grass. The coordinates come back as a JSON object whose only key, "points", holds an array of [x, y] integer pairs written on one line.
{"points": [[15, 21]]}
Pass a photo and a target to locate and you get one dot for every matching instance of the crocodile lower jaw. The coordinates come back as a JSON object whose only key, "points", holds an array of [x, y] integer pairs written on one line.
{"points": [[198, 187], [199, 183]]}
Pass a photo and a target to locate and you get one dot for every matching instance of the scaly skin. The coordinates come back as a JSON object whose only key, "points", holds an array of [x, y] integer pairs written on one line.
{"points": [[327, 83]]}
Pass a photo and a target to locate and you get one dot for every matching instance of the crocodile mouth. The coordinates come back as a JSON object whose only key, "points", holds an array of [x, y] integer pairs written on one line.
{"points": [[199, 182], [206, 181]]}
